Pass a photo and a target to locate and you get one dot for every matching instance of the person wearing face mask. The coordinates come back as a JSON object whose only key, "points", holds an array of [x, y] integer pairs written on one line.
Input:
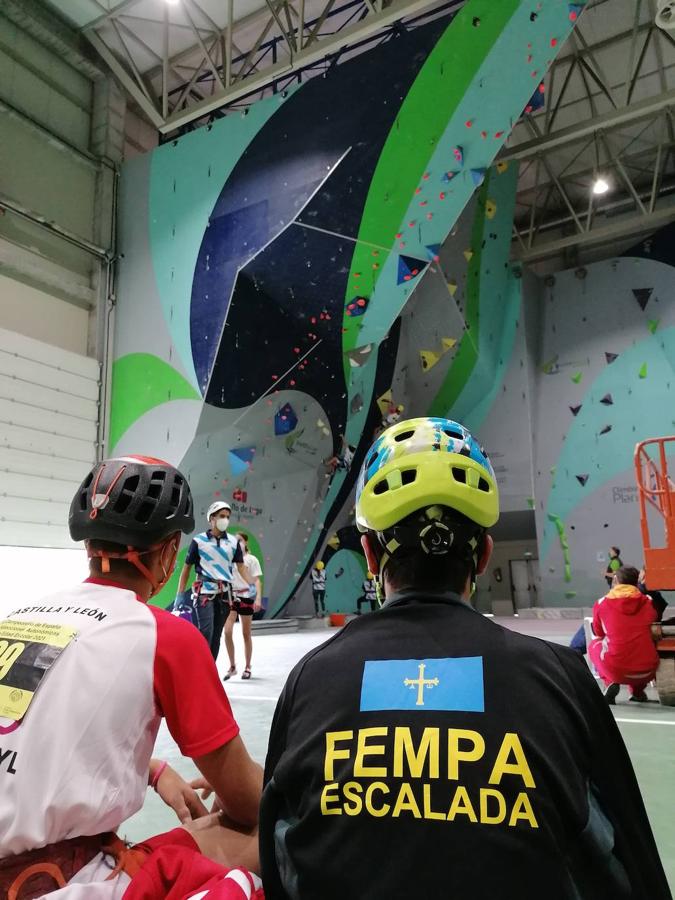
{"points": [[214, 554], [86, 676]]}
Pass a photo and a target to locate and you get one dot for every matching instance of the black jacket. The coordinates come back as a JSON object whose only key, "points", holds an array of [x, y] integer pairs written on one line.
{"points": [[425, 751]]}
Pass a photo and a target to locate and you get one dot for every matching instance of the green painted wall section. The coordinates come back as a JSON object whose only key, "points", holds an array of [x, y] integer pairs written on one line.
{"points": [[435, 95], [140, 382]]}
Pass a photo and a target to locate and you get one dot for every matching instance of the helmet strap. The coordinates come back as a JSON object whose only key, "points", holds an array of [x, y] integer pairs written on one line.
{"points": [[133, 555]]}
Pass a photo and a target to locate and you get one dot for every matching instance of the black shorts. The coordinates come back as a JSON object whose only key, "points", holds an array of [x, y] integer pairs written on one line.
{"points": [[244, 607]]}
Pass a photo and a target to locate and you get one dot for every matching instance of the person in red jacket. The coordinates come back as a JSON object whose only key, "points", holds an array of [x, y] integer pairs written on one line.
{"points": [[623, 651]]}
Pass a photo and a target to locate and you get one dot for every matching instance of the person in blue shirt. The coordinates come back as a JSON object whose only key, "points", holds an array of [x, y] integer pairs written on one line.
{"points": [[214, 554]]}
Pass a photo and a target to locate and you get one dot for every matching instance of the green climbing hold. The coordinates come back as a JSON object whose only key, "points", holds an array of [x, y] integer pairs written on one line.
{"points": [[576, 378], [643, 370], [570, 594], [568, 572], [530, 502], [653, 324]]}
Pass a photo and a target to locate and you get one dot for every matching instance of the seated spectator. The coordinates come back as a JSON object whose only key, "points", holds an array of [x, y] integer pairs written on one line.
{"points": [[92, 671], [424, 751], [623, 651]]}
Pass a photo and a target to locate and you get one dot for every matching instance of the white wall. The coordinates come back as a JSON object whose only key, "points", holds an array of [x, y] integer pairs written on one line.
{"points": [[28, 574], [39, 315]]}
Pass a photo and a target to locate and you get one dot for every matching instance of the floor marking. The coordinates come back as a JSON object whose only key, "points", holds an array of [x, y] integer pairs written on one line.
{"points": [[648, 721]]}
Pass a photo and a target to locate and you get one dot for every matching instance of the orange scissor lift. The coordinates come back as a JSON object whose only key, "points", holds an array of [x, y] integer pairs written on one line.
{"points": [[656, 498]]}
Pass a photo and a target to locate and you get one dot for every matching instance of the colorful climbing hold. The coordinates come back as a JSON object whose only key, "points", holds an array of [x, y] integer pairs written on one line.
{"points": [[576, 378], [643, 371]]}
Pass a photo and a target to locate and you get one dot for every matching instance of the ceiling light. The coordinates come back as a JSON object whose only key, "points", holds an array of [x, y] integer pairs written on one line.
{"points": [[600, 185], [171, 2]]}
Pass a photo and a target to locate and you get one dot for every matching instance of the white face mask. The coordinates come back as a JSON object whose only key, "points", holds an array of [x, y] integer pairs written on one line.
{"points": [[222, 523]]}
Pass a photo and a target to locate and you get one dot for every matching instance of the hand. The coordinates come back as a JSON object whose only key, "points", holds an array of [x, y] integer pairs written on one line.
{"points": [[180, 796], [257, 606], [201, 784]]}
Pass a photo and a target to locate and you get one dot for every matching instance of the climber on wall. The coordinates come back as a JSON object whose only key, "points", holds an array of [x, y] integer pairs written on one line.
{"points": [[437, 739]]}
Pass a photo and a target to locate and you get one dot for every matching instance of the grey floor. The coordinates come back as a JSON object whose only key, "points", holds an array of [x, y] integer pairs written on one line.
{"points": [[649, 732]]}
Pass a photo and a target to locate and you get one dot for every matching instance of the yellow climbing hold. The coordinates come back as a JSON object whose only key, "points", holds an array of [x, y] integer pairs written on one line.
{"points": [[468, 255], [490, 209], [452, 287], [448, 343], [429, 359], [384, 402], [502, 167]]}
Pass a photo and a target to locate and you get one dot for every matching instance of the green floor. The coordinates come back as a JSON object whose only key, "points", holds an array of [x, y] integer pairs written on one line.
{"points": [[649, 732]]}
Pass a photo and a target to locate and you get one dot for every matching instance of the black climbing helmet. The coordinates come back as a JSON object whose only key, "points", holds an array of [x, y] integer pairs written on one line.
{"points": [[136, 501]]}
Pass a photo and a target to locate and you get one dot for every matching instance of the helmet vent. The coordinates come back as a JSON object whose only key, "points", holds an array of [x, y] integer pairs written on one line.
{"points": [[483, 486], [404, 435], [408, 476], [459, 474], [145, 511], [158, 476], [154, 490], [381, 487], [175, 496], [373, 457], [123, 502], [454, 433]]}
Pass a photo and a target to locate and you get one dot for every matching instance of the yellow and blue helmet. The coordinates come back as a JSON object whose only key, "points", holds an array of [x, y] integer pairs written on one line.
{"points": [[422, 464]]}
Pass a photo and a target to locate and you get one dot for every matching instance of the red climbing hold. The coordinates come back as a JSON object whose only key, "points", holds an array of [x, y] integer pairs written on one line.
{"points": [[426, 176], [441, 196], [274, 377], [399, 236], [296, 349], [412, 224], [483, 134], [361, 302], [554, 42], [499, 134], [469, 123]]}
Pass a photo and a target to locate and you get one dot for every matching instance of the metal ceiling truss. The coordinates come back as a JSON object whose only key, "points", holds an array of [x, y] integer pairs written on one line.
{"points": [[629, 142], [244, 60]]}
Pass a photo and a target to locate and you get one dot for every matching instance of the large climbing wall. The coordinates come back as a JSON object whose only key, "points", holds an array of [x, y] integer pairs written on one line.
{"points": [[266, 261], [607, 381]]}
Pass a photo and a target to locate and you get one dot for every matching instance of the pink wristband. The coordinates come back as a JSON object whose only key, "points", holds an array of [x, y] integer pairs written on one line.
{"points": [[158, 775]]}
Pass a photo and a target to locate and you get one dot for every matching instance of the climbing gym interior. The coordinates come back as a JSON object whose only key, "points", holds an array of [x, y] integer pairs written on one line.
{"points": [[246, 237]]}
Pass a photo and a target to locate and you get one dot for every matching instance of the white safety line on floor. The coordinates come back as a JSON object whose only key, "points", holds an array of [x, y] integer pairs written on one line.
{"points": [[647, 721]]}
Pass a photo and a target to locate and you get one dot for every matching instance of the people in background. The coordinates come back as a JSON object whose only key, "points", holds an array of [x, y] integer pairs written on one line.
{"points": [[247, 599], [343, 459], [87, 675], [215, 554], [369, 596], [425, 751], [613, 564], [623, 651], [659, 602], [319, 589]]}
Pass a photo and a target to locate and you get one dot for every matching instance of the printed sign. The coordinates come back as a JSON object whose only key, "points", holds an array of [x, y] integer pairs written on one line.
{"points": [[27, 652]]}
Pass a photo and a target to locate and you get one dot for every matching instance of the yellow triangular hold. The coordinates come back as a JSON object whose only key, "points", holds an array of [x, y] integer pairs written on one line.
{"points": [[384, 402], [468, 254], [429, 359], [502, 167], [448, 344], [333, 541], [452, 287], [490, 209]]}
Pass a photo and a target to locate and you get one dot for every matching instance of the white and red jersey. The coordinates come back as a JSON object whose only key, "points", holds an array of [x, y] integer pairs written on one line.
{"points": [[77, 763]]}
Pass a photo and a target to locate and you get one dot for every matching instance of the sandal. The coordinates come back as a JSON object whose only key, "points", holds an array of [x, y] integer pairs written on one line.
{"points": [[246, 674], [230, 672]]}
